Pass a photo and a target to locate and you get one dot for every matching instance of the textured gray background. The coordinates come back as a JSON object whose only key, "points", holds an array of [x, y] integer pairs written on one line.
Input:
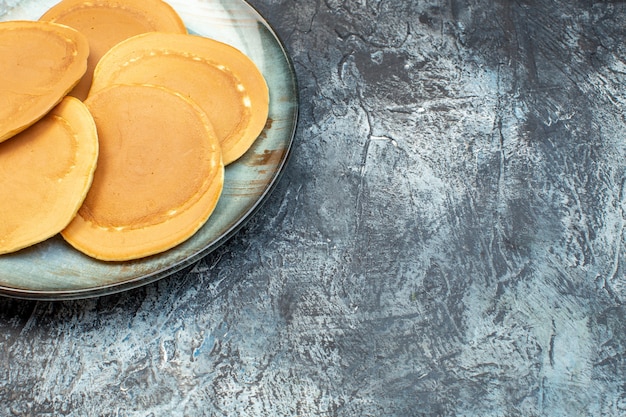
{"points": [[448, 238]]}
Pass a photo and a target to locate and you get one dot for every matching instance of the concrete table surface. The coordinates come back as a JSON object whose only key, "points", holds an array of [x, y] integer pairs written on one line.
{"points": [[448, 238]]}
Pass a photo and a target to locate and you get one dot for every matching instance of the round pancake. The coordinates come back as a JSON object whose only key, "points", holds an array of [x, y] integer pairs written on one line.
{"points": [[39, 63], [221, 79], [45, 173], [107, 22], [159, 176]]}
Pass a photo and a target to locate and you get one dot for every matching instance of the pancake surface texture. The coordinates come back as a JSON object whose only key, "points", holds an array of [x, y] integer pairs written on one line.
{"points": [[159, 177], [39, 63], [45, 173], [224, 82], [107, 22]]}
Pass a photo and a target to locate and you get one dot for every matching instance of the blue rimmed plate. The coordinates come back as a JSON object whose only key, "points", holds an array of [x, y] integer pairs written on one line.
{"points": [[53, 270]]}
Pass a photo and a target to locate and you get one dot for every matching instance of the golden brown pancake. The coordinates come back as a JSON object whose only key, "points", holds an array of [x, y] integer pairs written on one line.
{"points": [[45, 172], [159, 177], [221, 79], [39, 63], [107, 22]]}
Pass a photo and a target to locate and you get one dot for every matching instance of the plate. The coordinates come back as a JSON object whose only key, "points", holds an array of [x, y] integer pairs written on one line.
{"points": [[52, 270]]}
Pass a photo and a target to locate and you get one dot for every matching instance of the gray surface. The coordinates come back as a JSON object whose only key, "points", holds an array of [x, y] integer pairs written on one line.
{"points": [[448, 239]]}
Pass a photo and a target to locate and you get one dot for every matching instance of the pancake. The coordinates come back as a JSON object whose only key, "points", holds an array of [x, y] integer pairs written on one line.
{"points": [[39, 63], [45, 173], [159, 177], [107, 22], [224, 82]]}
